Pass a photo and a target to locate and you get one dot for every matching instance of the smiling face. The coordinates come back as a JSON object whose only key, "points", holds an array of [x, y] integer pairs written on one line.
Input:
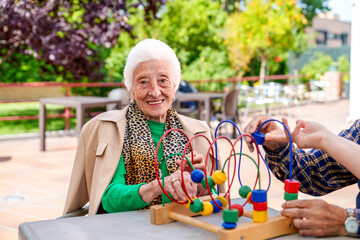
{"points": [[152, 89]]}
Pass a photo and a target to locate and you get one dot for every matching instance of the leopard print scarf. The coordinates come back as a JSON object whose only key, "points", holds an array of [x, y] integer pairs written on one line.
{"points": [[139, 147]]}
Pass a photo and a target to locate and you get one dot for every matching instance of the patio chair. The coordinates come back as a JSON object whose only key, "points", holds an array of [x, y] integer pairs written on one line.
{"points": [[229, 109], [255, 96], [118, 93]]}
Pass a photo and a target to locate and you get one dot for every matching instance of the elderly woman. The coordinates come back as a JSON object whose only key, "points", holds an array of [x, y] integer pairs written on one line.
{"points": [[114, 163]]}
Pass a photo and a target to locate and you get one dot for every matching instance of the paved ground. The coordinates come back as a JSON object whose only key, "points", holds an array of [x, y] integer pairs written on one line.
{"points": [[33, 184]]}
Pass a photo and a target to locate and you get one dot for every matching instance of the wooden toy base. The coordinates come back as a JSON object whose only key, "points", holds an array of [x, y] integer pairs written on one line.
{"points": [[274, 227]]}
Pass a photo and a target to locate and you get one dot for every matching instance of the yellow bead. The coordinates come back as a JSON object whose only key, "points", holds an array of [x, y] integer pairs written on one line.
{"points": [[208, 209], [248, 197], [219, 177], [260, 216], [187, 205], [222, 200]]}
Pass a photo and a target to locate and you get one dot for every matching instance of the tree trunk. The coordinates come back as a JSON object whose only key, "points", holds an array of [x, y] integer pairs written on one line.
{"points": [[262, 69], [296, 71]]}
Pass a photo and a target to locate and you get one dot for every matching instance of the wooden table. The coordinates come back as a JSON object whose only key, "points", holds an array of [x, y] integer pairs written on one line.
{"points": [[79, 102], [204, 102], [134, 225]]}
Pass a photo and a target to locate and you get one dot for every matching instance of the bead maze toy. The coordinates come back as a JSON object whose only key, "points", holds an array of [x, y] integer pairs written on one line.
{"points": [[262, 227]]}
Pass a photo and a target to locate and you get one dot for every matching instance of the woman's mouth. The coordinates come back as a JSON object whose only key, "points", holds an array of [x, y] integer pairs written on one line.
{"points": [[155, 102]]}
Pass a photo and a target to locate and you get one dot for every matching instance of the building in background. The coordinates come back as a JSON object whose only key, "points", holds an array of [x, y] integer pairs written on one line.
{"points": [[327, 35], [330, 31]]}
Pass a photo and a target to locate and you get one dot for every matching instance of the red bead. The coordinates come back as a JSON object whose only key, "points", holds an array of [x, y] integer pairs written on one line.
{"points": [[239, 208], [262, 206], [291, 186]]}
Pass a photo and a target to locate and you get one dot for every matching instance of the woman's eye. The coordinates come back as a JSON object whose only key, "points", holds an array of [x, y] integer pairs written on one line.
{"points": [[164, 81]]}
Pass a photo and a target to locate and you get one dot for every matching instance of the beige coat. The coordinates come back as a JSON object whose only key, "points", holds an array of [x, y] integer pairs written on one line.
{"points": [[98, 155]]}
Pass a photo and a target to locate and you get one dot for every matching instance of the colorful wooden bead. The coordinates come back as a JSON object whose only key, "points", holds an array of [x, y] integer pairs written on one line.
{"points": [[207, 209], [244, 191], [259, 196], [196, 206], [239, 208], [248, 197], [260, 206], [230, 216], [216, 208], [197, 175], [219, 177], [222, 200], [290, 196], [291, 186], [229, 225], [209, 180], [260, 216], [187, 205], [259, 137]]}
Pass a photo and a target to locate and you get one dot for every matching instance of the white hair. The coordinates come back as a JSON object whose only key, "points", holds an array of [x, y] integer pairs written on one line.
{"points": [[151, 49]]}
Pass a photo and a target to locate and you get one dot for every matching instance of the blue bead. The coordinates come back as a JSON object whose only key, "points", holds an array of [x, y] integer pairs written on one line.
{"points": [[259, 137], [227, 225], [216, 208], [259, 196], [197, 175]]}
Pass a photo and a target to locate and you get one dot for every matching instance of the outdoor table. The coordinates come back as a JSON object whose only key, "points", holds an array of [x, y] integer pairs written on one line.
{"points": [[203, 98], [79, 102], [133, 225]]}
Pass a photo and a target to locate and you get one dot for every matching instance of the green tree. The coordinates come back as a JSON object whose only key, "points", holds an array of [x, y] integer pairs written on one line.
{"points": [[193, 28], [263, 29], [318, 65], [311, 8]]}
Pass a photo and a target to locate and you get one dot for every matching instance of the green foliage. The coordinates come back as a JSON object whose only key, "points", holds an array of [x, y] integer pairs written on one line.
{"points": [[264, 29], [29, 126], [320, 63], [192, 28], [311, 8], [203, 66], [26, 68], [343, 66], [203, 69]]}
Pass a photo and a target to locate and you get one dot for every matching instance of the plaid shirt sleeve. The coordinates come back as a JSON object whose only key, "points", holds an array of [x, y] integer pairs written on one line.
{"points": [[317, 172]]}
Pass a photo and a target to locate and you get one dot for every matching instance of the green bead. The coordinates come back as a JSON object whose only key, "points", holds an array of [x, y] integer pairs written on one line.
{"points": [[196, 206], [230, 216], [244, 191], [290, 196], [210, 182]]}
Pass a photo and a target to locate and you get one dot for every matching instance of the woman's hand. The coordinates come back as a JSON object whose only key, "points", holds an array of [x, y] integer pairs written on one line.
{"points": [[174, 187], [197, 162], [316, 217], [268, 128]]}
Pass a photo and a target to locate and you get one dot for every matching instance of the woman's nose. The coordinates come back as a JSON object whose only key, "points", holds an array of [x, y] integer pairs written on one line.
{"points": [[154, 89]]}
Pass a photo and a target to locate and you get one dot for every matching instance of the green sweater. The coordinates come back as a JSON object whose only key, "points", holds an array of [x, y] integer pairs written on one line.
{"points": [[119, 197]]}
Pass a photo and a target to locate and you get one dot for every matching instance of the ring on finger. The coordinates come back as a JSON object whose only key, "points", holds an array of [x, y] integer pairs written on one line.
{"points": [[175, 180]]}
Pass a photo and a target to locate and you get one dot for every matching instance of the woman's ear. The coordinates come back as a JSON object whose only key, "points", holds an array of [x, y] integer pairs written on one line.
{"points": [[132, 94]]}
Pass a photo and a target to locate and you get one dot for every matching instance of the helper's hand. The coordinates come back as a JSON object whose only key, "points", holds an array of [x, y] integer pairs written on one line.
{"points": [[316, 217], [269, 128], [309, 134]]}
